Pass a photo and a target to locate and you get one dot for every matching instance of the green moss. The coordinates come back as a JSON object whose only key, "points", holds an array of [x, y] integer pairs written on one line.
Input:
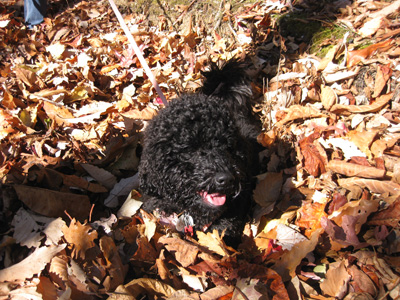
{"points": [[326, 38], [299, 26]]}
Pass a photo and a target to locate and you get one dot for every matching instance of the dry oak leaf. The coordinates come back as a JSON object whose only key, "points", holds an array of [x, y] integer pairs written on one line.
{"points": [[351, 170], [389, 216], [52, 203], [328, 97], [80, 238], [363, 139], [29, 77], [289, 261], [374, 107], [371, 27], [375, 186], [185, 252], [138, 288], [336, 281], [314, 155], [268, 189], [271, 280], [382, 76], [344, 235], [296, 112], [309, 216], [47, 288], [145, 114], [116, 270], [145, 251], [361, 209], [218, 292], [356, 56], [361, 282], [31, 265], [213, 242]]}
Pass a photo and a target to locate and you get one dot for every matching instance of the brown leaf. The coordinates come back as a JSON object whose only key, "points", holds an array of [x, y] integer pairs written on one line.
{"points": [[185, 253], [336, 281], [375, 186], [382, 76], [145, 114], [389, 216], [350, 170], [309, 216], [151, 288], [363, 139], [217, 292], [145, 251], [31, 265], [28, 77], [360, 282], [47, 288], [356, 56], [52, 203], [289, 261], [268, 189], [374, 107], [314, 155], [328, 97], [116, 270], [212, 241], [80, 238], [296, 112]]}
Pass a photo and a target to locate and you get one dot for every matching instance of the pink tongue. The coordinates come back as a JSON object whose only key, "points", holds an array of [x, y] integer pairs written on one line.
{"points": [[214, 199]]}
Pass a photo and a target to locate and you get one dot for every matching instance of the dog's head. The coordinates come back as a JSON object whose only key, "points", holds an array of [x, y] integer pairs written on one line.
{"points": [[193, 157]]}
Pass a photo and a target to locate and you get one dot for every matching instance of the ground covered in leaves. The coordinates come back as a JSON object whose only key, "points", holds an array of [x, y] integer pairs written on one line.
{"points": [[74, 100]]}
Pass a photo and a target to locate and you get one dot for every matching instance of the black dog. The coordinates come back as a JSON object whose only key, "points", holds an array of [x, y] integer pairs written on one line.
{"points": [[200, 154]]}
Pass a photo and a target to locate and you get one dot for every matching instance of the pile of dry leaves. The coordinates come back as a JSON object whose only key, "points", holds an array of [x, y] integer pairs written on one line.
{"points": [[73, 102]]}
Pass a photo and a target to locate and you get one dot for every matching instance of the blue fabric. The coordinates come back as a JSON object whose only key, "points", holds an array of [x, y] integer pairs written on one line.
{"points": [[34, 12]]}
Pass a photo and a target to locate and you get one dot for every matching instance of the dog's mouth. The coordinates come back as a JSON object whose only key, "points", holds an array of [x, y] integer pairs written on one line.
{"points": [[214, 199]]}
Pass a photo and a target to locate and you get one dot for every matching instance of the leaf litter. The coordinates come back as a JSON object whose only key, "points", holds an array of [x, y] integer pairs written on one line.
{"points": [[74, 100]]}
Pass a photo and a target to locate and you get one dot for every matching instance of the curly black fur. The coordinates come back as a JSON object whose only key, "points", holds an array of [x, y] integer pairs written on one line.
{"points": [[199, 143]]}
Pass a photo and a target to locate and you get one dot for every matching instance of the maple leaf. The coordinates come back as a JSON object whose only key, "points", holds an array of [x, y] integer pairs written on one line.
{"points": [[80, 238]]}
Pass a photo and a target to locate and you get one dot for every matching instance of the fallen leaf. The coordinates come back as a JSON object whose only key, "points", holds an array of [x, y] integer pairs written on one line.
{"points": [[52, 203], [356, 56], [268, 189], [80, 238], [374, 186], [289, 261], [371, 27], [374, 107], [212, 241], [185, 253], [328, 97], [31, 265], [314, 155], [382, 76], [351, 170], [336, 281], [389, 216], [296, 112], [144, 287]]}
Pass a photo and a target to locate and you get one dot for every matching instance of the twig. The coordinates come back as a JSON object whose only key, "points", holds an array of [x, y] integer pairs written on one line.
{"points": [[55, 103], [235, 35], [219, 16], [184, 12], [139, 55], [166, 14]]}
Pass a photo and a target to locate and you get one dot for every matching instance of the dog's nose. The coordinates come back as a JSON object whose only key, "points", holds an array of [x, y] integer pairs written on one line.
{"points": [[224, 179]]}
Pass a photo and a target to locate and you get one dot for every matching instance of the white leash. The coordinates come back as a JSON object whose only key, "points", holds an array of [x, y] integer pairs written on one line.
{"points": [[138, 52]]}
